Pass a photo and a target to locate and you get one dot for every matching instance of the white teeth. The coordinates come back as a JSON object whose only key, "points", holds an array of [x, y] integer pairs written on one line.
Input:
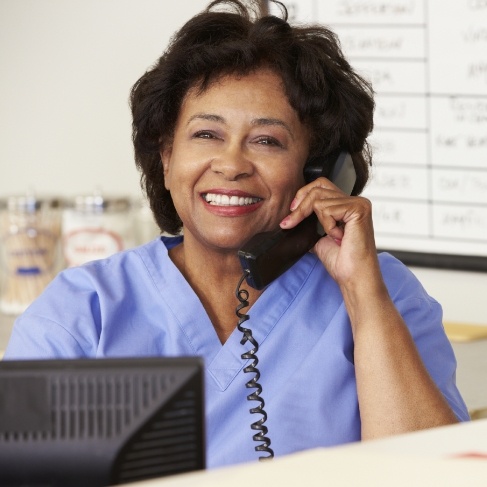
{"points": [[225, 200]]}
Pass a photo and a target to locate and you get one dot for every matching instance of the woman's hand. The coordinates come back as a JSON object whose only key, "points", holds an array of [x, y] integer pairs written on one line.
{"points": [[348, 250]]}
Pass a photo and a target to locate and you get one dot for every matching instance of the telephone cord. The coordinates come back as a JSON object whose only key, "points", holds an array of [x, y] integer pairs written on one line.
{"points": [[261, 435]]}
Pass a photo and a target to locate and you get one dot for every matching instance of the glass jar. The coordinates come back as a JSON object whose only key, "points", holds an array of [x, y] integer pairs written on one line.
{"points": [[30, 230], [95, 227]]}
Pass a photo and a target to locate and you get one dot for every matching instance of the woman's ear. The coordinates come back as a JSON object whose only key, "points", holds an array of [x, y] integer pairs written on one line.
{"points": [[165, 161]]}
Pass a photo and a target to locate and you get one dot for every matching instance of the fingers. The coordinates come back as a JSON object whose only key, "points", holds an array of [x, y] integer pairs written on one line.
{"points": [[323, 198], [330, 213], [314, 186], [348, 251]]}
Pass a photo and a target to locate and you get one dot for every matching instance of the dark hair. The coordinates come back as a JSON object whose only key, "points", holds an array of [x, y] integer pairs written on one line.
{"points": [[334, 102]]}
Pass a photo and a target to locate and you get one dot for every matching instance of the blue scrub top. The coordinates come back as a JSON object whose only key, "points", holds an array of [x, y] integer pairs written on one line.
{"points": [[137, 303]]}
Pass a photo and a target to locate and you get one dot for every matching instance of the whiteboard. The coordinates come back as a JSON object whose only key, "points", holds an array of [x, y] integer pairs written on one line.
{"points": [[427, 61]]}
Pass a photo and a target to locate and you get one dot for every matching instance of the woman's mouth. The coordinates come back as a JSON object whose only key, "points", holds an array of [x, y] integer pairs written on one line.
{"points": [[227, 200]]}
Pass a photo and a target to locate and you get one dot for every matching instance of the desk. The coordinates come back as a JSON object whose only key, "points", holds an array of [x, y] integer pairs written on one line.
{"points": [[426, 458]]}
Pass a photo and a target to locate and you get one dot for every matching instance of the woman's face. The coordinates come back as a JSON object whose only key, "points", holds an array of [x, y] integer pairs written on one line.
{"points": [[236, 160]]}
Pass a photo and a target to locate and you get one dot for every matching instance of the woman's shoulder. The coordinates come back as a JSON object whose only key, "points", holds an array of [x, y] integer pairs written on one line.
{"points": [[81, 301], [95, 280], [400, 279], [132, 260]]}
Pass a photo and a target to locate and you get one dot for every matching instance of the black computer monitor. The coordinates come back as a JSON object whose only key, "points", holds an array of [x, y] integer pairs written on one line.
{"points": [[100, 422]]}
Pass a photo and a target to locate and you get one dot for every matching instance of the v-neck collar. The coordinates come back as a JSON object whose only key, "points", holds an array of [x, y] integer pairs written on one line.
{"points": [[223, 361]]}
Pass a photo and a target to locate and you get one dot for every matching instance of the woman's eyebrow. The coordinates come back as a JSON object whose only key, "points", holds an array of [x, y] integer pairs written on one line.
{"points": [[273, 121], [207, 116]]}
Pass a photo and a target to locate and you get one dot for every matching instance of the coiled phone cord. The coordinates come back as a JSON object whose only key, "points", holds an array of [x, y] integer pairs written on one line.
{"points": [[242, 295]]}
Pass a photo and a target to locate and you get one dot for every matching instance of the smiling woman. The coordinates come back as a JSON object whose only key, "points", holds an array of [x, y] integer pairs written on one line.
{"points": [[225, 125], [252, 147]]}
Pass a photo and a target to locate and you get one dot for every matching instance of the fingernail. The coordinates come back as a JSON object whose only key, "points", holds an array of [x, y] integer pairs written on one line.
{"points": [[285, 221], [294, 203]]}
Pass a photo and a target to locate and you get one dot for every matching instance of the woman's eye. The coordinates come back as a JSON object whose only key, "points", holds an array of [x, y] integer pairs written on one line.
{"points": [[204, 134], [269, 141]]}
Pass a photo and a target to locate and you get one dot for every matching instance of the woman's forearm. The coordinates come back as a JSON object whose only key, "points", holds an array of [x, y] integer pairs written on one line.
{"points": [[396, 393]]}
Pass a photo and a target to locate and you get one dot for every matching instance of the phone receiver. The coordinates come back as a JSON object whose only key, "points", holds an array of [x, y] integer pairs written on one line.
{"points": [[268, 254]]}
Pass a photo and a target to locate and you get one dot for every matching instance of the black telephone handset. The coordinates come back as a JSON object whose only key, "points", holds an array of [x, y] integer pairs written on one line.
{"points": [[268, 254]]}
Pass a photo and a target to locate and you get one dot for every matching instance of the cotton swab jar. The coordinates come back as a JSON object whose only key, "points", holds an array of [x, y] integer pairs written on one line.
{"points": [[30, 230]]}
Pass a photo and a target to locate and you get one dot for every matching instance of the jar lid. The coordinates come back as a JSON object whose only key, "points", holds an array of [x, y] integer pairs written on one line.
{"points": [[29, 203], [97, 203]]}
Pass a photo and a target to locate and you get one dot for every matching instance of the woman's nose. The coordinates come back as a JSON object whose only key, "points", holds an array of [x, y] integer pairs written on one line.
{"points": [[232, 164]]}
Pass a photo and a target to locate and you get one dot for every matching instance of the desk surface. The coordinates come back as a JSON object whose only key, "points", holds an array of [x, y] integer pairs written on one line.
{"points": [[426, 458]]}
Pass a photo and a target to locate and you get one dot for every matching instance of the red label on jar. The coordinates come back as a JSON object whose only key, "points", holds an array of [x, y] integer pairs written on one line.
{"points": [[86, 244]]}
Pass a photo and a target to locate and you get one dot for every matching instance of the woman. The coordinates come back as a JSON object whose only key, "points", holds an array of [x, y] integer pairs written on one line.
{"points": [[350, 345]]}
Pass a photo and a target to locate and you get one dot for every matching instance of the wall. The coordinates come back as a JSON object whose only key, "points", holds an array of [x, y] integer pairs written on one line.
{"points": [[462, 294], [67, 67]]}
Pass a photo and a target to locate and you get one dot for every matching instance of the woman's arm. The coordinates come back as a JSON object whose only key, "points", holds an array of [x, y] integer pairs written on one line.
{"points": [[395, 391]]}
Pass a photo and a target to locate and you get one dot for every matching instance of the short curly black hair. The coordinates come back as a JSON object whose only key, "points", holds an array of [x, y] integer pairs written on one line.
{"points": [[334, 102]]}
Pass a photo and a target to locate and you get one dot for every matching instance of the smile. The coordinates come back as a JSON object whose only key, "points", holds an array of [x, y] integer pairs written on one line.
{"points": [[225, 200]]}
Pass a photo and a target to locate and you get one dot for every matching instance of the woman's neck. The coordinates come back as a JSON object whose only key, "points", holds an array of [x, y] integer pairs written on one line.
{"points": [[214, 277]]}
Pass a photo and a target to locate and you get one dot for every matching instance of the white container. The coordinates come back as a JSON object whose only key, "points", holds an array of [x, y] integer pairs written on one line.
{"points": [[95, 227], [30, 230]]}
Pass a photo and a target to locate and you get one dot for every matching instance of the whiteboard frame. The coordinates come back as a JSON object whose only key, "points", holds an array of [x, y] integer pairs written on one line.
{"points": [[440, 261]]}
